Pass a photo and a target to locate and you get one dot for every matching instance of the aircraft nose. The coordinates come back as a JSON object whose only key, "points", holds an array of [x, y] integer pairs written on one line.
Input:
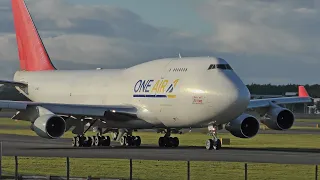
{"points": [[237, 94], [232, 94]]}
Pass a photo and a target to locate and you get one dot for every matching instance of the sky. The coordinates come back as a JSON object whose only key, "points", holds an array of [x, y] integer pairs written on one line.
{"points": [[265, 41]]}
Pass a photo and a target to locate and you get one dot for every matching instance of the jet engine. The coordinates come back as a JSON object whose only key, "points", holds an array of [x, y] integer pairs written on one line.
{"points": [[278, 118], [245, 126], [49, 126]]}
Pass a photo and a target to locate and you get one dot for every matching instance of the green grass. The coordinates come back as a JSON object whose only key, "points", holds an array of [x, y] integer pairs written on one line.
{"points": [[153, 170], [308, 120], [11, 122], [146, 169]]}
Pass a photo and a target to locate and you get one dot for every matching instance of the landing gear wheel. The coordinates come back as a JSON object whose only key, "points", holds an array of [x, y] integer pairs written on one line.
{"points": [[161, 142], [168, 142], [96, 140], [137, 141], [74, 140], [217, 144], [106, 141], [175, 142], [114, 135], [129, 141], [89, 141], [213, 144], [209, 144], [123, 141]]}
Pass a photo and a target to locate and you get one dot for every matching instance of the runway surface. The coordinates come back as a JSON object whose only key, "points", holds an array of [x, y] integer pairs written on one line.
{"points": [[36, 146]]}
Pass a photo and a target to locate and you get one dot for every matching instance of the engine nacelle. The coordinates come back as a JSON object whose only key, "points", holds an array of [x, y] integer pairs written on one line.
{"points": [[279, 118], [245, 126], [49, 126]]}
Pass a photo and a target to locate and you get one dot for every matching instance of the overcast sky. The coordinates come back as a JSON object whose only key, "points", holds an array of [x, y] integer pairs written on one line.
{"points": [[265, 41]]}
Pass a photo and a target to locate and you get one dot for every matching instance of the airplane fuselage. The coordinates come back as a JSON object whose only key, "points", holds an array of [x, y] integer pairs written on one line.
{"points": [[168, 92]]}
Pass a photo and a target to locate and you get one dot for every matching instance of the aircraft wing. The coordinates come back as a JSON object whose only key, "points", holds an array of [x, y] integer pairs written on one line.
{"points": [[264, 103], [71, 109], [13, 83]]}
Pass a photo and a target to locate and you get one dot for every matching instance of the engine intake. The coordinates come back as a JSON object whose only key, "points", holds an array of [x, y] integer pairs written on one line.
{"points": [[245, 126], [279, 119], [49, 126]]}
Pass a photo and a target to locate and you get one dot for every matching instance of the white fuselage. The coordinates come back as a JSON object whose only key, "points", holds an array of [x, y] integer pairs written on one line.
{"points": [[167, 92]]}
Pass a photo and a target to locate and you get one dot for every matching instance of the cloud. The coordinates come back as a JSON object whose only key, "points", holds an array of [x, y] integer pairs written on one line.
{"points": [[96, 35], [264, 40], [283, 28]]}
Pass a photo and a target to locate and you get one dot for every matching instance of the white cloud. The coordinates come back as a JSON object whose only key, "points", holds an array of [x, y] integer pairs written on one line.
{"points": [[284, 28], [96, 35], [256, 36]]}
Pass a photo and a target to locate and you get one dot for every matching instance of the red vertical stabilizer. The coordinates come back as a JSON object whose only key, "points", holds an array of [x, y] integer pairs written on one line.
{"points": [[303, 92], [32, 53]]}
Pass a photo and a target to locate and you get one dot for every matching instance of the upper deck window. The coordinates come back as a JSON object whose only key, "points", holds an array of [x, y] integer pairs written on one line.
{"points": [[220, 66]]}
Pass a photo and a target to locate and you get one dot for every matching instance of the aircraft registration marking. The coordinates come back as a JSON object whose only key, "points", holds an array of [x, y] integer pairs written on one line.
{"points": [[197, 100]]}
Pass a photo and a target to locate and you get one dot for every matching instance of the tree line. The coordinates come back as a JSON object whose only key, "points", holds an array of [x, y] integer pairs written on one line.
{"points": [[269, 89]]}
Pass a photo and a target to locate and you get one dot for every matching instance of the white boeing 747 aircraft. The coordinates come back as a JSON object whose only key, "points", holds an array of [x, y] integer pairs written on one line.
{"points": [[171, 94]]}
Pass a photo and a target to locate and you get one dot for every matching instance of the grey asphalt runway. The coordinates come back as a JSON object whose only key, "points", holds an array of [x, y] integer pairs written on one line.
{"points": [[36, 146]]}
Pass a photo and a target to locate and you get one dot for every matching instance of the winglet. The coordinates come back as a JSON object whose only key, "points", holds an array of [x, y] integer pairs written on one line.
{"points": [[303, 92]]}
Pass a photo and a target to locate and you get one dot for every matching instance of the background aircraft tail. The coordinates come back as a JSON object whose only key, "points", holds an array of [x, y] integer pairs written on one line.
{"points": [[303, 92], [32, 54]]}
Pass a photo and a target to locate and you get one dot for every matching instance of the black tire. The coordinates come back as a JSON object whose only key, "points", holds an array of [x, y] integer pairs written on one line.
{"points": [[161, 142], [93, 140], [218, 144], [130, 140], [137, 141], [87, 142], [107, 141], [175, 142], [167, 141]]}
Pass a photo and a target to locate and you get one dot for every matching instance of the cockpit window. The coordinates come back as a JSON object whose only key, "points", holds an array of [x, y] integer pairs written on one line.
{"points": [[212, 66], [228, 67], [220, 66]]}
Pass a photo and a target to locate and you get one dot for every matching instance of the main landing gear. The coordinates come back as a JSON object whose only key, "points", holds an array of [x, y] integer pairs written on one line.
{"points": [[126, 138], [168, 141], [214, 142], [83, 141]]}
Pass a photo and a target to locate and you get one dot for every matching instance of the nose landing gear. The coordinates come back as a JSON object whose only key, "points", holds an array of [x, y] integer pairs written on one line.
{"points": [[214, 142]]}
